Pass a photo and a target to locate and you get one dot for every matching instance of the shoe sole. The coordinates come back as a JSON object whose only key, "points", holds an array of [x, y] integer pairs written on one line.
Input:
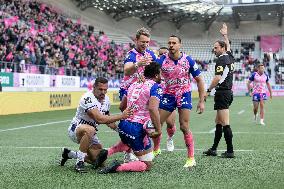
{"points": [[210, 155], [81, 171]]}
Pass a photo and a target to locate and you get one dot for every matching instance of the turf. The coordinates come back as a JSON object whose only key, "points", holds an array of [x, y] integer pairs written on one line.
{"points": [[259, 161]]}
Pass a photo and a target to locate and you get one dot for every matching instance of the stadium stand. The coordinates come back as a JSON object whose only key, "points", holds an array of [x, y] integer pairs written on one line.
{"points": [[37, 39]]}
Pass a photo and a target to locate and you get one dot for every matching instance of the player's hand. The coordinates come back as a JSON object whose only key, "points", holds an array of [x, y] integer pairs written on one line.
{"points": [[144, 61], [155, 134], [224, 29], [206, 95], [127, 113], [200, 107]]}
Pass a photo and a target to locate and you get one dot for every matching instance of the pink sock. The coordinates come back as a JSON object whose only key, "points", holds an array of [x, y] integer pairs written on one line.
{"points": [[188, 138], [134, 166], [171, 131], [157, 142], [119, 147]]}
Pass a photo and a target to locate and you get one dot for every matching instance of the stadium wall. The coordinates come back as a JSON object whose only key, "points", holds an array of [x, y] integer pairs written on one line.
{"points": [[27, 102]]}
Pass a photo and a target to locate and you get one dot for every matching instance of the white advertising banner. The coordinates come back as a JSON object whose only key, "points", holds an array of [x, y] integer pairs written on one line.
{"points": [[33, 80], [67, 81]]}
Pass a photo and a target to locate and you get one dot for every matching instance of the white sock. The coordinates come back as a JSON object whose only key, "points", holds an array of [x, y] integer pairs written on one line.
{"points": [[80, 156], [72, 154]]}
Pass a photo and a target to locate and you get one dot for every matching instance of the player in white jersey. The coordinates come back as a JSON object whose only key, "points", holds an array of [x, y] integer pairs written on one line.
{"points": [[143, 98], [92, 110]]}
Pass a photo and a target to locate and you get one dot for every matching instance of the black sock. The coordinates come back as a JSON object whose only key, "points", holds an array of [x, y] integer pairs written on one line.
{"points": [[218, 136], [228, 138]]}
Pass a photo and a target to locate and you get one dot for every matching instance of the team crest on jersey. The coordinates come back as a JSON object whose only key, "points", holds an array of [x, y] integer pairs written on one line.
{"points": [[159, 91], [184, 63]]}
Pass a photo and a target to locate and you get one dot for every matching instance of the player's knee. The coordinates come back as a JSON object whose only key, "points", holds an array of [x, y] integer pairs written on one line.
{"points": [[184, 129], [170, 124], [90, 132], [147, 157]]}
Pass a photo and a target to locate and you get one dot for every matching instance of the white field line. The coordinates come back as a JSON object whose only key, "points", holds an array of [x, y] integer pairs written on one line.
{"points": [[212, 130], [111, 131], [57, 147], [36, 125], [241, 112]]}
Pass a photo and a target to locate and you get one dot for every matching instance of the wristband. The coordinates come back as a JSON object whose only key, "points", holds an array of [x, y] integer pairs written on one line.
{"points": [[208, 91]]}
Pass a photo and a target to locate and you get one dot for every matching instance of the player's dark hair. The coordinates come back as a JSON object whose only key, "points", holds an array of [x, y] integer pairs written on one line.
{"points": [[152, 70], [179, 39], [164, 48], [100, 80], [222, 44]]}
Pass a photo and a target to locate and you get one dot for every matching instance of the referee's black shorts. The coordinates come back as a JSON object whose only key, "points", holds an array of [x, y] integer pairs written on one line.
{"points": [[223, 99]]}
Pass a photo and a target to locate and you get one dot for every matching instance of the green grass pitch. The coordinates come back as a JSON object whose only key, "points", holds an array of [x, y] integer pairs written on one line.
{"points": [[28, 155]]}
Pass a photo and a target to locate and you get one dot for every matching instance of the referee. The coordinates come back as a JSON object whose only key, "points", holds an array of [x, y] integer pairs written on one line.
{"points": [[222, 82]]}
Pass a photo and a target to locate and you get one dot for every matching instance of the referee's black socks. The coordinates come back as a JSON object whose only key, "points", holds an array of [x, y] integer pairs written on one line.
{"points": [[218, 136], [228, 138]]}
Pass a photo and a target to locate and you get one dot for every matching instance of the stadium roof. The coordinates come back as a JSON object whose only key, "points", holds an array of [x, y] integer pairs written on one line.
{"points": [[183, 11]]}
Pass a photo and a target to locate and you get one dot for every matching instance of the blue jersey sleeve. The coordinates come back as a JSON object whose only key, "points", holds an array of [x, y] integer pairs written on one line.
{"points": [[251, 78], [152, 55], [193, 67], [131, 57], [156, 91], [161, 59]]}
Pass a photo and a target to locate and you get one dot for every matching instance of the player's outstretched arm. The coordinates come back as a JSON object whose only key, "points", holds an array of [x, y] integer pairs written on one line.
{"points": [[105, 119], [224, 32]]}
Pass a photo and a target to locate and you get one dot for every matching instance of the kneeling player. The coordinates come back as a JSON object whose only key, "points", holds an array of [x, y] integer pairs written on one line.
{"points": [[93, 109], [143, 98]]}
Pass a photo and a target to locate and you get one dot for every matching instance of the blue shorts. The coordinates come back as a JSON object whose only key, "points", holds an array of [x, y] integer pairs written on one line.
{"points": [[134, 136], [169, 102], [122, 92], [257, 97]]}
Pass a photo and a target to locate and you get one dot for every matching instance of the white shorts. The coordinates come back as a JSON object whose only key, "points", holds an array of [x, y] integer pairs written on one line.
{"points": [[72, 134]]}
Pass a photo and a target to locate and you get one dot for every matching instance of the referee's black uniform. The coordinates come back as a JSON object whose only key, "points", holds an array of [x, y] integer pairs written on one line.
{"points": [[224, 94], [224, 97]]}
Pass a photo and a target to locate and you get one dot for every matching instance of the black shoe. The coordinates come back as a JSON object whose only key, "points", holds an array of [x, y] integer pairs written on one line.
{"points": [[210, 152], [227, 155], [64, 156], [101, 157], [80, 167], [111, 168]]}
